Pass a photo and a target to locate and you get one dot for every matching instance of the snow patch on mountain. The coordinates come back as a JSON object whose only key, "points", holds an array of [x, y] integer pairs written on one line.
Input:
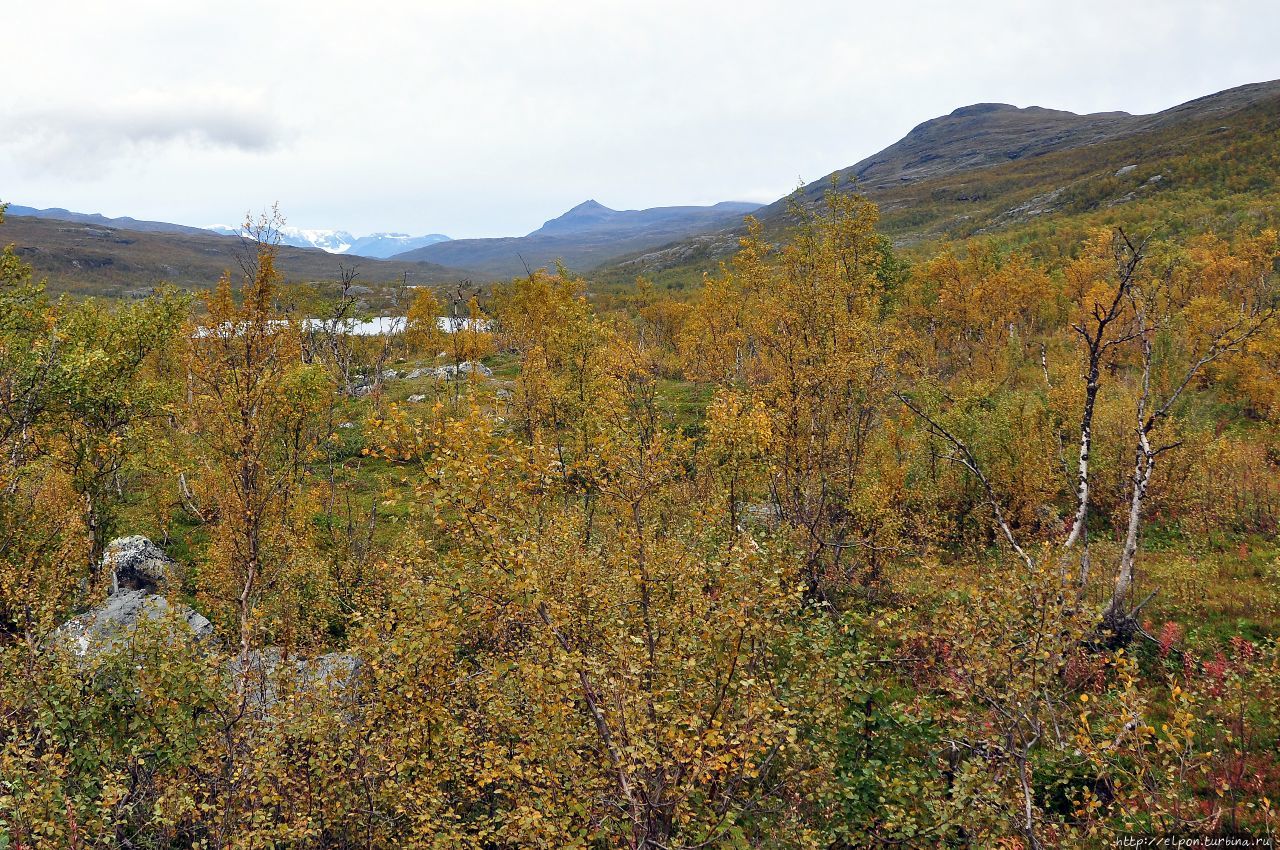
{"points": [[376, 245], [333, 241], [384, 245]]}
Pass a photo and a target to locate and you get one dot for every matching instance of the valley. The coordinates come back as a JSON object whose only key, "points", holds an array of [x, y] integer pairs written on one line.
{"points": [[935, 504]]}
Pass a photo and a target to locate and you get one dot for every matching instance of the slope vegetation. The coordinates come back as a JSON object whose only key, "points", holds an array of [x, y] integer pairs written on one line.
{"points": [[1040, 175], [91, 259]]}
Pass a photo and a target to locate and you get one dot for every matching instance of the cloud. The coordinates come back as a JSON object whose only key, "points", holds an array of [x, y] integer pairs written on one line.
{"points": [[79, 139], [482, 119]]}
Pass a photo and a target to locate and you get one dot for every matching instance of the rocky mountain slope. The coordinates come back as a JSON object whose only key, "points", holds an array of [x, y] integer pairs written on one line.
{"points": [[996, 169], [990, 135]]}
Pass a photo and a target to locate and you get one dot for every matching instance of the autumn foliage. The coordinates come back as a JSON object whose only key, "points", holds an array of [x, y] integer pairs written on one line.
{"points": [[845, 550]]}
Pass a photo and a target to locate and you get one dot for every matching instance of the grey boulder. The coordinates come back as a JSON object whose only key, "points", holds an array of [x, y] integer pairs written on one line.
{"points": [[114, 622], [137, 564], [333, 674], [462, 370], [140, 573]]}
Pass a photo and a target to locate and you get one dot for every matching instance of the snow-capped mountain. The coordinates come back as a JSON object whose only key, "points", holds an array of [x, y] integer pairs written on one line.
{"points": [[333, 241], [384, 245], [376, 245]]}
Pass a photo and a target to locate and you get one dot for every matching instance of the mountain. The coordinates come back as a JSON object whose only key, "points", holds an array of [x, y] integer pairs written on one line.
{"points": [[582, 238], [386, 245], [592, 217], [92, 259], [980, 136], [986, 136], [330, 241], [122, 223], [1032, 176], [375, 245], [993, 169]]}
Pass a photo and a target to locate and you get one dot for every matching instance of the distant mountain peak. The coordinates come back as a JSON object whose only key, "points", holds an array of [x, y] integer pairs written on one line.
{"points": [[592, 215], [379, 246], [583, 237], [589, 213]]}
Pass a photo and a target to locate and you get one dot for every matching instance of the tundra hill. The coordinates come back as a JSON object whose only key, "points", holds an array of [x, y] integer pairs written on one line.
{"points": [[89, 259], [121, 223], [582, 238], [1040, 176]]}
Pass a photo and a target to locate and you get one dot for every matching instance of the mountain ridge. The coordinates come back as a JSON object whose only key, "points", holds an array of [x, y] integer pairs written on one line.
{"points": [[985, 168], [379, 246], [583, 237], [120, 222], [92, 259]]}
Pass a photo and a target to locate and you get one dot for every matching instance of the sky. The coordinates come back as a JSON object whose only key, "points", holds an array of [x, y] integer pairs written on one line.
{"points": [[488, 118]]}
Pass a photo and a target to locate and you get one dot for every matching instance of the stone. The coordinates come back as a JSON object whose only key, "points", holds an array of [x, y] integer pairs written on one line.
{"points": [[107, 626], [768, 514], [137, 564], [139, 568], [333, 674], [454, 373], [417, 398], [140, 573], [1125, 170]]}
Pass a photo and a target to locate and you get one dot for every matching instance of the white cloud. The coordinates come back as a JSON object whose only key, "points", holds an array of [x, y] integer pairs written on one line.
{"points": [[84, 139], [488, 118]]}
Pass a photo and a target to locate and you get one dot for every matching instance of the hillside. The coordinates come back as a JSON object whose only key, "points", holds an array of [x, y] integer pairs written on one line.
{"points": [[995, 169], [120, 223], [93, 259], [584, 237], [990, 169], [818, 548], [379, 246]]}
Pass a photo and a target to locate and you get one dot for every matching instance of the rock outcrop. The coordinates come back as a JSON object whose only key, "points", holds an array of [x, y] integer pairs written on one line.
{"points": [[138, 564], [141, 574], [332, 675], [106, 626], [462, 370]]}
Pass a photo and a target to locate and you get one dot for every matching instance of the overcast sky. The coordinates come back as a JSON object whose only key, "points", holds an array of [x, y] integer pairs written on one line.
{"points": [[485, 119]]}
